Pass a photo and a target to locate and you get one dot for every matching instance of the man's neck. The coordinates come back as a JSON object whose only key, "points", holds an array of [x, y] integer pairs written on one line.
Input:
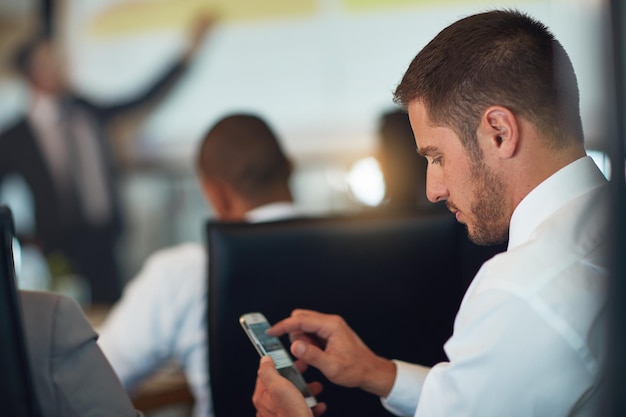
{"points": [[540, 166]]}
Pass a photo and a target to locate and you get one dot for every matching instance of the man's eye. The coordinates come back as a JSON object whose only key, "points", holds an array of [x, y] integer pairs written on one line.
{"points": [[436, 161]]}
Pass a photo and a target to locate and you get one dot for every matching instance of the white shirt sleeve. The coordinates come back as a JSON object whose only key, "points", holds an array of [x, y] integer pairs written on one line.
{"points": [[405, 393], [160, 317], [505, 359]]}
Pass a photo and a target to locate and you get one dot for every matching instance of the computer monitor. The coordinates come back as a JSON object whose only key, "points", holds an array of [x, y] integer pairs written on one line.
{"points": [[18, 395]]}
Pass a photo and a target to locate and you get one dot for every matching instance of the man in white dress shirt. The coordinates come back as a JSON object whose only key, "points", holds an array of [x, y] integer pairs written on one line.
{"points": [[161, 316], [493, 103]]}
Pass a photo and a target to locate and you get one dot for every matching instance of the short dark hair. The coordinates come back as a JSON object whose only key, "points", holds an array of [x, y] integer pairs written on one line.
{"points": [[242, 150], [501, 57], [25, 51]]}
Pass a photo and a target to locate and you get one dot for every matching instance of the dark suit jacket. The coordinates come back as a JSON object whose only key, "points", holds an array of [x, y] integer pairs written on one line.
{"points": [[71, 375], [20, 154]]}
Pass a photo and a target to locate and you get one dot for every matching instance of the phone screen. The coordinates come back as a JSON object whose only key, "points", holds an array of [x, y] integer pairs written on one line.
{"points": [[269, 345]]}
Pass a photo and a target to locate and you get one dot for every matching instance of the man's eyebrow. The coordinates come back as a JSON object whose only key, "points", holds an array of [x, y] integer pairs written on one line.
{"points": [[427, 150]]}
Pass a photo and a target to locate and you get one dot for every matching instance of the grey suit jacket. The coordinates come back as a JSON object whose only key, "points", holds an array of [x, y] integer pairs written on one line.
{"points": [[71, 375]]}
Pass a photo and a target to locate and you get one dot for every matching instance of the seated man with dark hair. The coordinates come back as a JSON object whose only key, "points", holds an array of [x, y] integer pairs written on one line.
{"points": [[244, 175]]}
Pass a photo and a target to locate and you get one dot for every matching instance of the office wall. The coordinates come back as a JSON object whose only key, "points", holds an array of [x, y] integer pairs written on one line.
{"points": [[321, 71]]}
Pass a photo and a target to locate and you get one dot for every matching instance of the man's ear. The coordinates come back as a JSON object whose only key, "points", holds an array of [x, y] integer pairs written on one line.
{"points": [[499, 131]]}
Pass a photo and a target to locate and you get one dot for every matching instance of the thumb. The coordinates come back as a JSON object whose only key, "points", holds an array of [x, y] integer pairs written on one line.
{"points": [[267, 371], [308, 353]]}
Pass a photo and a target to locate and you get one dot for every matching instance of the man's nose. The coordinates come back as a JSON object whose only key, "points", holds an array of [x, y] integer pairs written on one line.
{"points": [[436, 189]]}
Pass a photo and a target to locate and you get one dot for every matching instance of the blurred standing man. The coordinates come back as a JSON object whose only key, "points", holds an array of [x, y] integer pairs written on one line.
{"points": [[61, 149], [493, 102], [244, 175]]}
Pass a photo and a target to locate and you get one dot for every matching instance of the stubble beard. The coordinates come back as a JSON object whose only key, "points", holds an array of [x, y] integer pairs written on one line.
{"points": [[490, 216]]}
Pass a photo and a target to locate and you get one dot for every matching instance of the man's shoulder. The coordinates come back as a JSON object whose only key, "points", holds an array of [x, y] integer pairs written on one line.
{"points": [[43, 303], [170, 273], [572, 242], [16, 141], [183, 259], [182, 252], [45, 313], [14, 129]]}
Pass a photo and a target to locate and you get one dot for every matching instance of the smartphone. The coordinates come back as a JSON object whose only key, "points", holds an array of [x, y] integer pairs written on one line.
{"points": [[255, 325]]}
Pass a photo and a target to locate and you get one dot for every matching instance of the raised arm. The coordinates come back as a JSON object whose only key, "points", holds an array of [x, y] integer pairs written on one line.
{"points": [[169, 78]]}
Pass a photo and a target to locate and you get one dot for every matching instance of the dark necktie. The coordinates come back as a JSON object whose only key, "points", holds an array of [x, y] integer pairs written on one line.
{"points": [[88, 182]]}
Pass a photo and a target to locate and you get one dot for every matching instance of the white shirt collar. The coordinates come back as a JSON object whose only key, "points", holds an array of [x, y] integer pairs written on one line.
{"points": [[273, 211], [45, 110], [564, 185]]}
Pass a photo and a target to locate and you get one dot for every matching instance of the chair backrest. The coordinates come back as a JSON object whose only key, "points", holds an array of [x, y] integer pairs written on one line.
{"points": [[397, 281], [17, 394]]}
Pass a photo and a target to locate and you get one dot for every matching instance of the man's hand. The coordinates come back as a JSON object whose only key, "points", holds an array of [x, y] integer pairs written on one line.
{"points": [[329, 344], [201, 26], [275, 396]]}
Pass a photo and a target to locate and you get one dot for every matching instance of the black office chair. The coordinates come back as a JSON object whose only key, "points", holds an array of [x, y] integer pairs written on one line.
{"points": [[397, 281], [17, 394]]}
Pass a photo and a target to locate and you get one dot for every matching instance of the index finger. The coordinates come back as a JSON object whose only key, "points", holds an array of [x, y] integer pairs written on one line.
{"points": [[307, 321]]}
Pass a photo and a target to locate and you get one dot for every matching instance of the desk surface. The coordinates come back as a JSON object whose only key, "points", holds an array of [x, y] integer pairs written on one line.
{"points": [[166, 387]]}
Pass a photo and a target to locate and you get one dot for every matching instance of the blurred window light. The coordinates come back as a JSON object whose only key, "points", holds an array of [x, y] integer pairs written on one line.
{"points": [[31, 268], [602, 161], [366, 182], [16, 193], [17, 256]]}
